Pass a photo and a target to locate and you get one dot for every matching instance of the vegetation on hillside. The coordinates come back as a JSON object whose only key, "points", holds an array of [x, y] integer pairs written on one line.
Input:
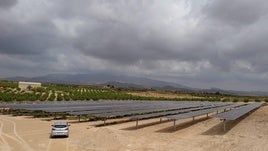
{"points": [[9, 91]]}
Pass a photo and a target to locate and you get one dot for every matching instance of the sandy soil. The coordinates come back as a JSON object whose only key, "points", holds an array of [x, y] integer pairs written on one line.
{"points": [[247, 134]]}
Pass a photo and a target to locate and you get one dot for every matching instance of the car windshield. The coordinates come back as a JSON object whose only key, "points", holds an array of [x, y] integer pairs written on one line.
{"points": [[59, 126]]}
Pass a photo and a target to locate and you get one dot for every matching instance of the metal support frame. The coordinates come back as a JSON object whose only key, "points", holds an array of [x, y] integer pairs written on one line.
{"points": [[137, 122], [160, 120], [193, 118], [207, 115]]}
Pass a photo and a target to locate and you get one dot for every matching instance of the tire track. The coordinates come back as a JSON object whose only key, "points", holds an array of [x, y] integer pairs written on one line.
{"points": [[67, 144], [22, 141], [10, 136], [13, 138], [5, 145], [35, 133], [49, 145]]}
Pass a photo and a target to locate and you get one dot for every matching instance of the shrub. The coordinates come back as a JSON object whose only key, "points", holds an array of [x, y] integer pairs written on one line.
{"points": [[52, 97], [40, 89], [235, 100], [257, 100], [59, 97], [226, 100], [246, 100]]}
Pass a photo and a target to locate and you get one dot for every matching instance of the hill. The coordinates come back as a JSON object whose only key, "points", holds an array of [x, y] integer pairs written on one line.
{"points": [[101, 79], [122, 81]]}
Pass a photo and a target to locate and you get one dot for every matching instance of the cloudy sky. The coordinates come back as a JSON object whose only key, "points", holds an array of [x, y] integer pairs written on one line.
{"points": [[203, 44]]}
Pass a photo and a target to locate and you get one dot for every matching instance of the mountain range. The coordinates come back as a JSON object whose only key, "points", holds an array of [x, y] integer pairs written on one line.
{"points": [[122, 81], [101, 79]]}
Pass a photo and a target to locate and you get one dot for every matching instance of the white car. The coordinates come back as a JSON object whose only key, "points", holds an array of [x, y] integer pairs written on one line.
{"points": [[60, 129]]}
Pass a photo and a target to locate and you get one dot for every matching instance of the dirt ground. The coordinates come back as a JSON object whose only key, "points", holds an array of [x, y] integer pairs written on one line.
{"points": [[249, 133], [169, 95]]}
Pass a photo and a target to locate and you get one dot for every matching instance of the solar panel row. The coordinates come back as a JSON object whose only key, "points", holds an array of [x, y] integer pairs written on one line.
{"points": [[77, 106], [235, 114], [149, 110], [179, 111], [197, 113], [135, 110], [200, 112], [161, 114], [172, 110], [107, 109]]}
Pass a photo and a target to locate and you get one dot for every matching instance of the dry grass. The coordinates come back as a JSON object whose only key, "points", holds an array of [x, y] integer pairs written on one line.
{"points": [[162, 94]]}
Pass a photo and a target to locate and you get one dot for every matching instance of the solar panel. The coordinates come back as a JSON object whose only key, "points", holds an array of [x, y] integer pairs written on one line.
{"points": [[138, 110], [70, 106], [152, 105], [165, 113], [153, 111], [200, 112], [234, 114], [111, 108]]}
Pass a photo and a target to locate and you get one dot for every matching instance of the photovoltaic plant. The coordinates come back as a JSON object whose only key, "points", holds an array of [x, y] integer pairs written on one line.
{"points": [[138, 110]]}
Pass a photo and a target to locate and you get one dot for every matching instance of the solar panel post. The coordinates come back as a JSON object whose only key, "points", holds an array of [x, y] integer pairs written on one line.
{"points": [[137, 122], [207, 115], [79, 118], [160, 120], [104, 121], [217, 111], [224, 125], [174, 125]]}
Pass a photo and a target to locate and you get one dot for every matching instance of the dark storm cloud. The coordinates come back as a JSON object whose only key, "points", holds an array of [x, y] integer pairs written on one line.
{"points": [[131, 33], [118, 33], [206, 43], [236, 12], [6, 4], [29, 38], [239, 31]]}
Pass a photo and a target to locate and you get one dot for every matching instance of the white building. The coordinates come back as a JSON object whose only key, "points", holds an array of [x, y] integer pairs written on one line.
{"points": [[27, 85]]}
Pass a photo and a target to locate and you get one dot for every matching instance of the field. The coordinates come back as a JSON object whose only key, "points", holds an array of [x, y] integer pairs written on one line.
{"points": [[248, 134], [9, 92]]}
